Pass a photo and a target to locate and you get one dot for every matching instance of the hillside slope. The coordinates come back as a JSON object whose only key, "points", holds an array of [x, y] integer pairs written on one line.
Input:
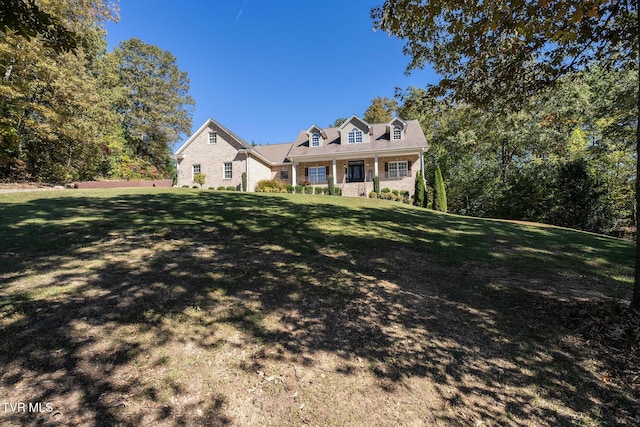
{"points": [[200, 307]]}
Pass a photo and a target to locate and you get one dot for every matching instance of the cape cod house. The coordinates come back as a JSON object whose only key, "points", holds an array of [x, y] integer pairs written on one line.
{"points": [[352, 154]]}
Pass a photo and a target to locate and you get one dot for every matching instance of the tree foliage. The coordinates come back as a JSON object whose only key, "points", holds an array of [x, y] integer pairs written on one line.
{"points": [[511, 49], [514, 163], [155, 107], [381, 110], [338, 122], [54, 112], [61, 110], [27, 19]]}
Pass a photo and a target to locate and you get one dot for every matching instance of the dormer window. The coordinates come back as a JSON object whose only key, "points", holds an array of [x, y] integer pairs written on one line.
{"points": [[396, 129], [397, 133], [315, 136], [213, 137], [355, 136]]}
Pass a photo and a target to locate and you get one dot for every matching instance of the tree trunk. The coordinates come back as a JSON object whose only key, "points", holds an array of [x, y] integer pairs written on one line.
{"points": [[635, 300], [7, 73]]}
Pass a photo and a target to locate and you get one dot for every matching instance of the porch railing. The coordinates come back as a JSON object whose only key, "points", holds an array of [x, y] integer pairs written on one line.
{"points": [[315, 181], [395, 175]]}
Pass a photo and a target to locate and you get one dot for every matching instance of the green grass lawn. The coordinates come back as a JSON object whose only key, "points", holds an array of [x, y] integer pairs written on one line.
{"points": [[189, 307]]}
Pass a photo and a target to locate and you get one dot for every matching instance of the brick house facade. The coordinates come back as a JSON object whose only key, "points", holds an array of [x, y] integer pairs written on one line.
{"points": [[352, 154]]}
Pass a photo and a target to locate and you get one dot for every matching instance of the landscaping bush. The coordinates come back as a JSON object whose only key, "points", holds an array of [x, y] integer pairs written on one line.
{"points": [[269, 186], [290, 188], [185, 186], [376, 184], [428, 197], [386, 190], [440, 199], [330, 187], [396, 192], [244, 181], [199, 179], [308, 190], [373, 195], [317, 190], [231, 188], [194, 186], [299, 189], [221, 188]]}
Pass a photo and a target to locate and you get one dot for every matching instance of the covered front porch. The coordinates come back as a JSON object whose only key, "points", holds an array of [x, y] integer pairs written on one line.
{"points": [[354, 174]]}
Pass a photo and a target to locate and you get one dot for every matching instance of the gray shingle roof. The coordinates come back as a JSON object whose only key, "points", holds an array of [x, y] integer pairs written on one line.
{"points": [[275, 153], [413, 138]]}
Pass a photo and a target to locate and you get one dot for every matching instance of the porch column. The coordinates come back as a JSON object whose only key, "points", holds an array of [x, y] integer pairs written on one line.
{"points": [[422, 162], [294, 181], [375, 165], [335, 173]]}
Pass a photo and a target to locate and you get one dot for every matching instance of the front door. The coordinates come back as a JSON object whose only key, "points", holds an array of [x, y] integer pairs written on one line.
{"points": [[356, 171]]}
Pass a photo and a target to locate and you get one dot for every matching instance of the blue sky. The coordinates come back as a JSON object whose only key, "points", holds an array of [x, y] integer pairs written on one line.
{"points": [[268, 69]]}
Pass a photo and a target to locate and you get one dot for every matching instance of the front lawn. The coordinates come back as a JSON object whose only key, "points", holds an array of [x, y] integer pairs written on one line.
{"points": [[190, 307]]}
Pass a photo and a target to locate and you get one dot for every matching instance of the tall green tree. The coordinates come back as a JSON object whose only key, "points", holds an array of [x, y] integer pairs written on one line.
{"points": [[506, 163], [53, 110], [440, 202], [381, 110], [580, 198], [156, 108], [513, 50], [338, 122], [419, 193], [418, 104]]}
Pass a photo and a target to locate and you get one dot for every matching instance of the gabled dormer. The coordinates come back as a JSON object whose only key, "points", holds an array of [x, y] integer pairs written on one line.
{"points": [[396, 128], [355, 131], [316, 136]]}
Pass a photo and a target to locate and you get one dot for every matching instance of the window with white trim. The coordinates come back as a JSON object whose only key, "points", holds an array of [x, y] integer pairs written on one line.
{"points": [[315, 139], [398, 169], [195, 169], [355, 136], [213, 137], [397, 132], [228, 171], [318, 174]]}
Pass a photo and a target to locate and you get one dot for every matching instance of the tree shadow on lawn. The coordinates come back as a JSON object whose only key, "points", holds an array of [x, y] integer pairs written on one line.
{"points": [[93, 285]]}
